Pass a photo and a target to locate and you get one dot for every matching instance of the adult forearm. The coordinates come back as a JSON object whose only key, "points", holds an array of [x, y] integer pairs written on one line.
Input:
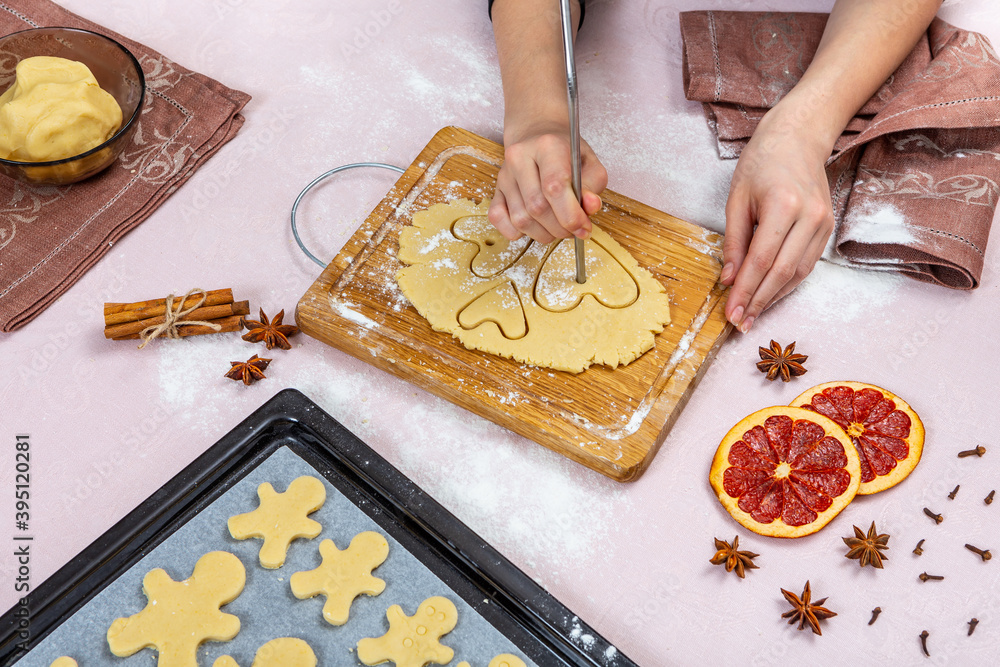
{"points": [[864, 42], [530, 52]]}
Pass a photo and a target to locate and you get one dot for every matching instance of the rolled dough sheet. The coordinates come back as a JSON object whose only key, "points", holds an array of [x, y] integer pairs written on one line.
{"points": [[520, 299]]}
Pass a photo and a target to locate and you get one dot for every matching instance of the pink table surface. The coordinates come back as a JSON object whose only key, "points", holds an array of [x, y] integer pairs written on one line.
{"points": [[109, 424]]}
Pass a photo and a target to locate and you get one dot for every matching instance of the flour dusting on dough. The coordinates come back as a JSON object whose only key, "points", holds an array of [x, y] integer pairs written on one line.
{"points": [[469, 281], [435, 241]]}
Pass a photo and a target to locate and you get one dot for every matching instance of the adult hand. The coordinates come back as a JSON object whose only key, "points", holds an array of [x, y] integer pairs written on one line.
{"points": [[534, 193], [779, 184], [780, 187]]}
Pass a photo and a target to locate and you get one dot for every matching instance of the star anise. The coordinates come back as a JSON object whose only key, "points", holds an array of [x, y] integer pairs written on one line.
{"points": [[272, 333], [732, 557], [806, 612], [867, 550], [248, 371], [776, 362]]}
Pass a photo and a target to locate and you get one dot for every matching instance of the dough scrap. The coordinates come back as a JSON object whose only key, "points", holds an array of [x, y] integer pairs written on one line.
{"points": [[520, 299], [502, 660], [281, 518], [282, 652], [180, 616], [64, 661], [55, 110], [343, 575], [413, 641]]}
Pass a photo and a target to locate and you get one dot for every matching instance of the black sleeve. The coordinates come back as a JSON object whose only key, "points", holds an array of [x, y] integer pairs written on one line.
{"points": [[583, 10]]}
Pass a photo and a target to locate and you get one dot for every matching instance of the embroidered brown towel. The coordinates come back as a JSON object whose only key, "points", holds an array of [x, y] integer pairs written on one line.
{"points": [[914, 177], [50, 236]]}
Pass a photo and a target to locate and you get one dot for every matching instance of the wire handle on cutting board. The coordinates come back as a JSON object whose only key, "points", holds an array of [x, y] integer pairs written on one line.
{"points": [[314, 183]]}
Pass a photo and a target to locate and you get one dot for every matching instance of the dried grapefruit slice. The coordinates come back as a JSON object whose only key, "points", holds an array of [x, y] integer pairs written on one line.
{"points": [[785, 471], [887, 433]]}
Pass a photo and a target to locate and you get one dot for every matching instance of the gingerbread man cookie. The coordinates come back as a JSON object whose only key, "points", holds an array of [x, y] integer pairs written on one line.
{"points": [[64, 661], [343, 575], [502, 660], [281, 518], [412, 641], [283, 652], [181, 615]]}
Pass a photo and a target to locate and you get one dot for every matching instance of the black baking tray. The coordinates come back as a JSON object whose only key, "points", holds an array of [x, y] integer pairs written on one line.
{"points": [[542, 627]]}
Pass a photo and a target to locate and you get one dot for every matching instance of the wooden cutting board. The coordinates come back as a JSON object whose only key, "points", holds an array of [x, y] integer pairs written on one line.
{"points": [[612, 421]]}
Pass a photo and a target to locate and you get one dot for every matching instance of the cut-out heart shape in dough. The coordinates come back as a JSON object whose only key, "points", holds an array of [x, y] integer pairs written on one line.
{"points": [[616, 325], [496, 253], [500, 305], [607, 280]]}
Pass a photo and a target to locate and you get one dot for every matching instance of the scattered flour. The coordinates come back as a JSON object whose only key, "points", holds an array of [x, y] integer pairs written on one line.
{"points": [[445, 263], [873, 224], [435, 241], [543, 504], [520, 274], [189, 366], [586, 640], [556, 297], [558, 288], [840, 293], [189, 369], [346, 312]]}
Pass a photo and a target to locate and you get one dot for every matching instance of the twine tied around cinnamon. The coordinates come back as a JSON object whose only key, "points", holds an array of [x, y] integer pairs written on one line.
{"points": [[175, 318]]}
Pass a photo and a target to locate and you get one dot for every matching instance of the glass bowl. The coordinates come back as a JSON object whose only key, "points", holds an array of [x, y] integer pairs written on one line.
{"points": [[116, 70]]}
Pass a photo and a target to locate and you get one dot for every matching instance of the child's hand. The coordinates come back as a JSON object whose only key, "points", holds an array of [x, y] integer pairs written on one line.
{"points": [[534, 194], [780, 186]]}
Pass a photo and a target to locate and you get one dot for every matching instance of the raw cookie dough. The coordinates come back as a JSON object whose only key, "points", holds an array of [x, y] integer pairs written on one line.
{"points": [[502, 660], [281, 518], [55, 110], [181, 615], [64, 662], [343, 575], [520, 299], [412, 641], [283, 652]]}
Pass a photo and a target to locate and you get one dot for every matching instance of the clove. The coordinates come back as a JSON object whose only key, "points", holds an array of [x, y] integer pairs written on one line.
{"points": [[972, 626], [937, 517], [955, 492], [989, 497], [984, 554], [923, 642], [875, 612], [930, 577], [978, 451], [919, 549]]}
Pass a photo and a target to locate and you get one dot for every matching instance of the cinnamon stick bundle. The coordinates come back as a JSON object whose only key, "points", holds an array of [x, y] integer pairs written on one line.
{"points": [[228, 324], [117, 313], [225, 310], [127, 321]]}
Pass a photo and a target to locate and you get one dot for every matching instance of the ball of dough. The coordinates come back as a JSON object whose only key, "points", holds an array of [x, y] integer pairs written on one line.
{"points": [[55, 110]]}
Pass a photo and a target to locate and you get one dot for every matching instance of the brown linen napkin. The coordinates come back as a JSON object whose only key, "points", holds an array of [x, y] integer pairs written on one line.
{"points": [[914, 177], [50, 236]]}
